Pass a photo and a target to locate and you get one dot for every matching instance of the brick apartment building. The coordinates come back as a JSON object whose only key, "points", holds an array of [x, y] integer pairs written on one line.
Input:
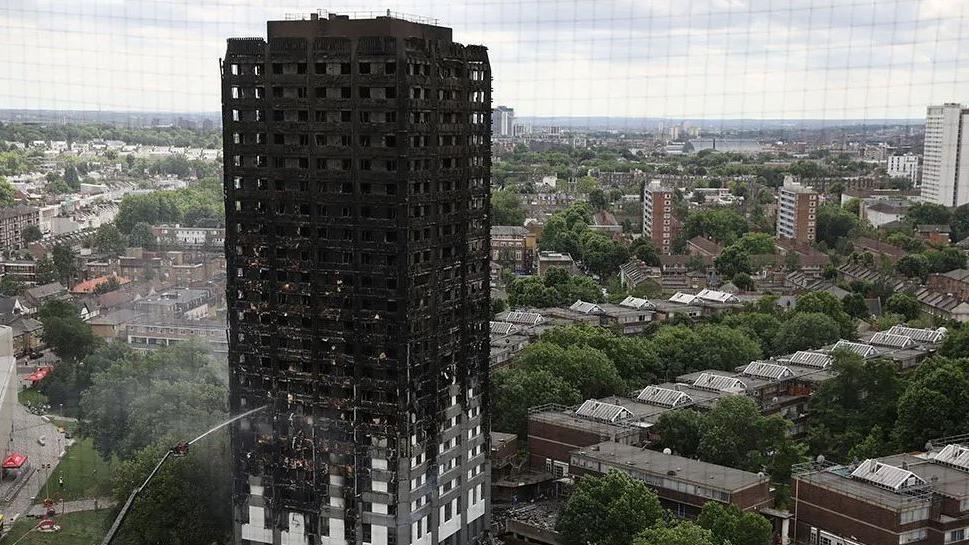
{"points": [[13, 220], [682, 484], [906, 498], [796, 211], [659, 225], [513, 247], [955, 282]]}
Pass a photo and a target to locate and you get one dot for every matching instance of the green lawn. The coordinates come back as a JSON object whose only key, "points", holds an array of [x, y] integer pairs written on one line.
{"points": [[86, 475], [31, 396], [84, 528]]}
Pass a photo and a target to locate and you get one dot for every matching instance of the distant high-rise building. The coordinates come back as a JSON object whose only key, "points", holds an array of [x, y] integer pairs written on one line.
{"points": [[503, 122], [674, 133], [659, 225], [945, 162], [904, 166], [356, 184], [797, 208]]}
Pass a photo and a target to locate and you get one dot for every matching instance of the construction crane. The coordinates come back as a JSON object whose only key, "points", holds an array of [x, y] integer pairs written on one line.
{"points": [[177, 451]]}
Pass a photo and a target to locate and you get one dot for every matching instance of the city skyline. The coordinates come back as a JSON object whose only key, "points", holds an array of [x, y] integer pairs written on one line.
{"points": [[805, 60]]}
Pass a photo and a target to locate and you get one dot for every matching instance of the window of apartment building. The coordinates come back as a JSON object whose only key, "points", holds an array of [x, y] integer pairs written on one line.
{"points": [[913, 515], [913, 536], [955, 535]]}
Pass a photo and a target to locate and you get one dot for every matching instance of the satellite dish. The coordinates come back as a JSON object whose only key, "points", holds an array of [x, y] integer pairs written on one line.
{"points": [[667, 451], [820, 458]]}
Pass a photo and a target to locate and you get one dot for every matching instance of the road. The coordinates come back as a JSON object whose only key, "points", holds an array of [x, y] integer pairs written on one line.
{"points": [[27, 429]]}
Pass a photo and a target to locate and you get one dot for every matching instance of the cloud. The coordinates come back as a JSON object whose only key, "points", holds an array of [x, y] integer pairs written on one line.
{"points": [[701, 58]]}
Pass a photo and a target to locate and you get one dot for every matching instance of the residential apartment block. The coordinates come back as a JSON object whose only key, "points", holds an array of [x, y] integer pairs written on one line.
{"points": [[797, 207], [659, 225], [358, 157], [945, 163]]}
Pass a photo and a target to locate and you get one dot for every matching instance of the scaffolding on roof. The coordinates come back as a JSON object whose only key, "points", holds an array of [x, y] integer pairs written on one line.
{"points": [[716, 296], [664, 397], [922, 335], [763, 369], [719, 383], [683, 298], [503, 328], [524, 318], [807, 358], [585, 308], [953, 455], [891, 340], [886, 476], [598, 410], [863, 350], [636, 303]]}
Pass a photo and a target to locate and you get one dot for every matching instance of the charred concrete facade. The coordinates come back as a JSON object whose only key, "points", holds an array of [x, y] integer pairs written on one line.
{"points": [[356, 181]]}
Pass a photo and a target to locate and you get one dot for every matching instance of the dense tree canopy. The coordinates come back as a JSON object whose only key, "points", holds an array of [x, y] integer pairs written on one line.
{"points": [[506, 208], [720, 224], [556, 288], [608, 510]]}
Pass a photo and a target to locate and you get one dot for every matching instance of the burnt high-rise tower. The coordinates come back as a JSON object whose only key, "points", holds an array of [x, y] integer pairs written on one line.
{"points": [[357, 164]]}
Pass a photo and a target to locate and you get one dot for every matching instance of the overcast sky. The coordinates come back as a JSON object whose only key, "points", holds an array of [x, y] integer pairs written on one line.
{"points": [[714, 59]]}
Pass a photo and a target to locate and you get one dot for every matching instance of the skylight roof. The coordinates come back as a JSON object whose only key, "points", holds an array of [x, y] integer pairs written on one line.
{"points": [[683, 298], [585, 308], [502, 328], [597, 410], [524, 318], [664, 397], [716, 296], [954, 455], [763, 369], [635, 302], [863, 350], [920, 334], [891, 340], [719, 383], [807, 358], [886, 476]]}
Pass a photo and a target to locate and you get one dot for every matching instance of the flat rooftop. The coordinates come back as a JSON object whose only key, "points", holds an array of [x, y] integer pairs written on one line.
{"points": [[634, 459]]}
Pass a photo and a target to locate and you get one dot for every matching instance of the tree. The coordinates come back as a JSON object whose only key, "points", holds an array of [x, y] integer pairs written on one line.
{"points": [[736, 434], [834, 224], [597, 199], [959, 222], [642, 249], [913, 266], [517, 389], [72, 178], [804, 331], [905, 304], [70, 338], [945, 260], [9, 286], [682, 533], [31, 233], [586, 185], [601, 254], [192, 488], [46, 271], [65, 263], [731, 525], [7, 192], [506, 208], [756, 243], [138, 397], [108, 240], [555, 288], [720, 224], [826, 303], [863, 394], [633, 357], [762, 326], [587, 369], [680, 431], [683, 349], [855, 305], [608, 510], [731, 261], [934, 404], [142, 237], [927, 213], [743, 281]]}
